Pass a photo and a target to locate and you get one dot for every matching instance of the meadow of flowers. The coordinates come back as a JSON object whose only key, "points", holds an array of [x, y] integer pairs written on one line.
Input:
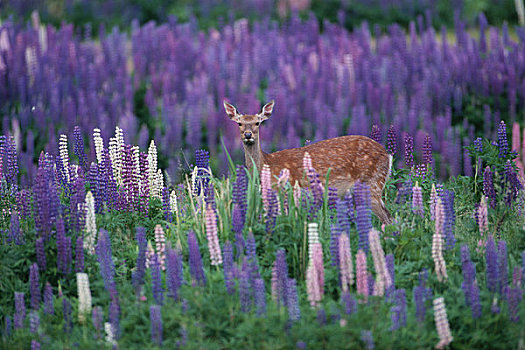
{"points": [[108, 239]]}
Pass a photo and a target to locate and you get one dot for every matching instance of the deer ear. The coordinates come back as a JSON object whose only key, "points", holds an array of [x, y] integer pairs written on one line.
{"points": [[266, 111], [231, 111]]}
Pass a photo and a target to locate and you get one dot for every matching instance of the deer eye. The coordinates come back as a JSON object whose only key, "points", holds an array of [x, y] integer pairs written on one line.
{"points": [[257, 124], [239, 124]]}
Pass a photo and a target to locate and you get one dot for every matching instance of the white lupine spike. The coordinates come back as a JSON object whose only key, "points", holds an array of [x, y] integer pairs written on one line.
{"points": [[152, 167], [159, 183], [437, 244], [99, 144], [109, 334], [84, 296], [64, 155], [296, 193], [194, 180], [442, 326], [91, 224], [173, 202], [313, 237]]}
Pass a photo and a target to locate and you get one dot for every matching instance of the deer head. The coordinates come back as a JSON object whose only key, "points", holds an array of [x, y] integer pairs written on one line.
{"points": [[249, 123]]}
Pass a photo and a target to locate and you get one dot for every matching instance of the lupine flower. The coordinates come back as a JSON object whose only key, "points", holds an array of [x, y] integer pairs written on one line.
{"points": [[152, 170], [34, 280], [79, 255], [483, 216], [213, 238], [245, 288], [91, 224], [346, 267], [478, 144], [442, 326], [315, 275], [421, 295], [502, 265], [66, 311], [335, 234], [156, 280], [35, 345], [14, 235], [138, 274], [114, 316], [174, 271], [8, 326], [40, 253], [49, 307], [110, 337], [376, 133], [399, 311], [84, 296], [427, 150], [266, 185], [344, 209], [313, 238], [417, 200], [363, 217], [63, 248], [450, 218], [391, 143], [382, 276], [297, 193], [196, 268], [228, 268], [513, 296], [349, 303], [20, 310], [174, 207], [155, 317], [491, 257], [240, 186], [368, 339], [34, 321], [64, 155], [79, 148], [362, 275], [105, 260], [97, 317], [292, 301], [333, 197], [502, 140], [280, 283], [260, 297], [437, 244], [160, 245], [409, 150], [389, 260], [488, 187], [512, 184]]}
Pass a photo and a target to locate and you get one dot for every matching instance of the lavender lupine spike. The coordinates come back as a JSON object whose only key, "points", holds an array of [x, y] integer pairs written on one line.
{"points": [[488, 187], [35, 345], [79, 149], [368, 339], [105, 260], [114, 316], [491, 257], [228, 267], [20, 310], [417, 200], [79, 255], [292, 300], [68, 319], [349, 303], [174, 273], [240, 186], [409, 151], [245, 288], [49, 307], [155, 317], [140, 271], [97, 317], [40, 253], [15, 235], [260, 297], [335, 235], [514, 295], [389, 260], [450, 218], [195, 259], [34, 321], [421, 295], [363, 214], [34, 280], [156, 280], [391, 143], [281, 276], [502, 140], [502, 266], [375, 133]]}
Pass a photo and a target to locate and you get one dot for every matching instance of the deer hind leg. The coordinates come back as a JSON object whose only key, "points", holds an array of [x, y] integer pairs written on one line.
{"points": [[378, 207]]}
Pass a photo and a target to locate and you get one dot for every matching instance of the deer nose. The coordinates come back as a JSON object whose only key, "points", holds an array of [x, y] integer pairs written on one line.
{"points": [[248, 135]]}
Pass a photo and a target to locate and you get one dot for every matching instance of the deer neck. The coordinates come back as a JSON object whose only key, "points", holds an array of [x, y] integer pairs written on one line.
{"points": [[253, 152]]}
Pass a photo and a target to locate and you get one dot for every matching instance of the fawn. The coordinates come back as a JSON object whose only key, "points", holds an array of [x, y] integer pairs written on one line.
{"points": [[351, 158]]}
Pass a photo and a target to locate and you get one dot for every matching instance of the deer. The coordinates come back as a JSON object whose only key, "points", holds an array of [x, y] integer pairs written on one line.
{"points": [[350, 158]]}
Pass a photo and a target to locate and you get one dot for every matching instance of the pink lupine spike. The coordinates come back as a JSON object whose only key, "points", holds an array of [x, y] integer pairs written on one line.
{"points": [[362, 275], [212, 235], [345, 262]]}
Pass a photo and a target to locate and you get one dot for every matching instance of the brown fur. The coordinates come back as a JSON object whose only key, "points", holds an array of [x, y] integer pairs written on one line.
{"points": [[351, 158]]}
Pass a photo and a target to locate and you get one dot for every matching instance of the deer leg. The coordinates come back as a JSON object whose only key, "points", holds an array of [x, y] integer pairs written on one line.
{"points": [[378, 207]]}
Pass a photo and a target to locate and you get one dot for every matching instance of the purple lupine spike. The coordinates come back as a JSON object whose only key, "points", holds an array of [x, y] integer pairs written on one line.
{"points": [[68, 319], [409, 150], [450, 218], [334, 245], [240, 187], [488, 187], [427, 150], [364, 224], [96, 186], [389, 292], [513, 296], [155, 317], [395, 316], [24, 203], [35, 345], [97, 316], [391, 143], [502, 140], [237, 219], [77, 205], [512, 184], [62, 248], [156, 280], [11, 161], [292, 301], [79, 149], [282, 277], [478, 144], [20, 310], [79, 254], [342, 211], [375, 133], [34, 281], [260, 297], [474, 300], [34, 321], [65, 186], [168, 215], [114, 316], [240, 245], [245, 288], [174, 272], [349, 303], [49, 307], [196, 268], [229, 280], [503, 267], [202, 162], [138, 275], [491, 257], [332, 198], [40, 253], [368, 339], [321, 316], [14, 234], [8, 326], [105, 260]]}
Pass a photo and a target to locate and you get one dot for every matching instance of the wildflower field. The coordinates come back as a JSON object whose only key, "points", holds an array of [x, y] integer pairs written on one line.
{"points": [[128, 219]]}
